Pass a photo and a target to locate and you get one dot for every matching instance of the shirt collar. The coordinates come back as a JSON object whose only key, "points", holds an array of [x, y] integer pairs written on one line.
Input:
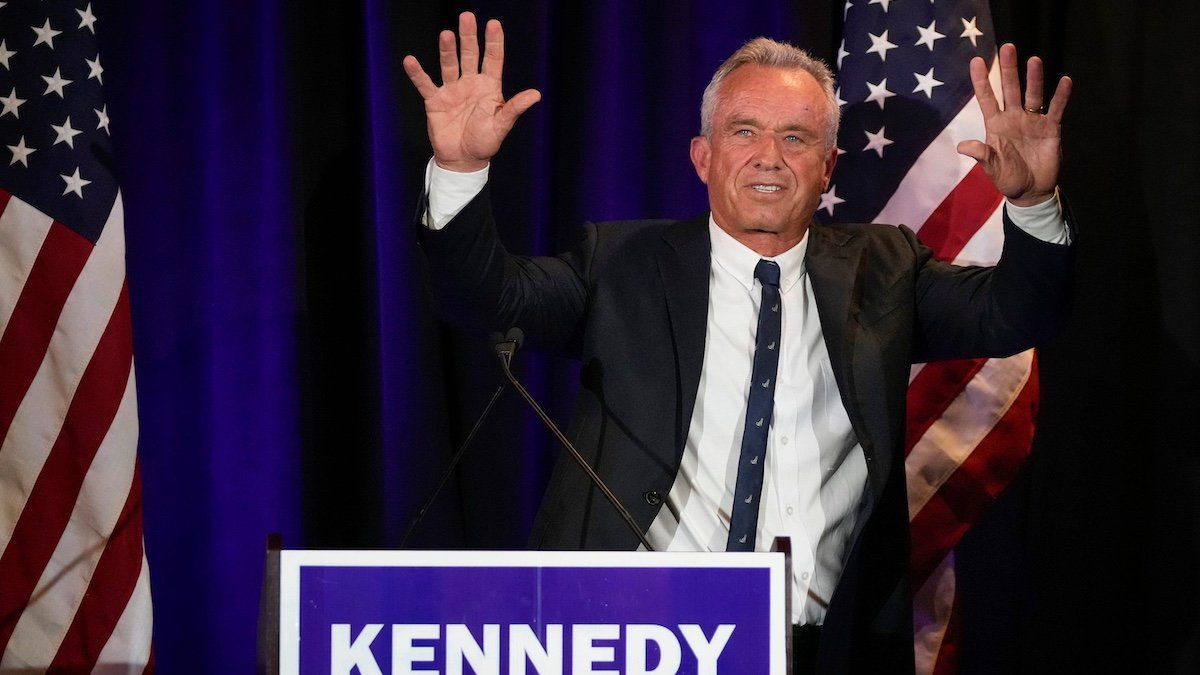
{"points": [[734, 257]]}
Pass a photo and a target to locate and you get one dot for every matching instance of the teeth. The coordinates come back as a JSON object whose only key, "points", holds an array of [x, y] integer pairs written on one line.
{"points": [[767, 188]]}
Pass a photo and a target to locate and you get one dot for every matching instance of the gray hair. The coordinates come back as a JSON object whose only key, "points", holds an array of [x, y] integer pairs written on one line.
{"points": [[767, 52]]}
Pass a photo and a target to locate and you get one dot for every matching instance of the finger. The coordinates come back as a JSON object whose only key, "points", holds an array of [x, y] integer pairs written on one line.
{"points": [[1010, 81], [493, 49], [983, 88], [979, 151], [1058, 104], [515, 107], [1034, 84], [468, 43], [447, 57], [419, 78]]}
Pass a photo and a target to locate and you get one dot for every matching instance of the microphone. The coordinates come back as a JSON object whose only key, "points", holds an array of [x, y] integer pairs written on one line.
{"points": [[505, 347], [512, 340]]}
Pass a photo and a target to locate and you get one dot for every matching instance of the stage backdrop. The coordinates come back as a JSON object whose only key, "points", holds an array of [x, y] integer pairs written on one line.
{"points": [[292, 378]]}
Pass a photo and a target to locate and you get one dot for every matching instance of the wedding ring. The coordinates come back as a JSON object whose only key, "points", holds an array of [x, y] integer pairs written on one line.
{"points": [[1036, 111]]}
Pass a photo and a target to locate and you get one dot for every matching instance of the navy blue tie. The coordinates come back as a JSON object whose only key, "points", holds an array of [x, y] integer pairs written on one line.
{"points": [[743, 522]]}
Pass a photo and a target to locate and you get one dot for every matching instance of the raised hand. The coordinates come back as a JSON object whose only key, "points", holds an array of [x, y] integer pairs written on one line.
{"points": [[467, 116], [1022, 153]]}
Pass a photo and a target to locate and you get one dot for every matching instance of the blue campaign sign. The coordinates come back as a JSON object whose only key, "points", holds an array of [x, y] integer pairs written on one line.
{"points": [[531, 612]]}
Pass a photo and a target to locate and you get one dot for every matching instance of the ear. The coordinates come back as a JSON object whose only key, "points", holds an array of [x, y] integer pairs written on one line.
{"points": [[830, 162], [701, 153]]}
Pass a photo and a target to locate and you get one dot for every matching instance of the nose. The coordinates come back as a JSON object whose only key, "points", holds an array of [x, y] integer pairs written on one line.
{"points": [[768, 155]]}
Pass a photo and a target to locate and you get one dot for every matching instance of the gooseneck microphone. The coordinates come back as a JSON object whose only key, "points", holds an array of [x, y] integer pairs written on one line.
{"points": [[504, 350]]}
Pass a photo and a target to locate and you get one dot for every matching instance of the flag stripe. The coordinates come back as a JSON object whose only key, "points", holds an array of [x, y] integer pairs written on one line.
{"points": [[968, 420], [987, 242], [112, 586], [947, 657], [39, 418], [35, 315], [49, 506], [23, 229], [932, 391], [960, 215], [933, 603], [130, 646], [63, 583], [995, 461]]}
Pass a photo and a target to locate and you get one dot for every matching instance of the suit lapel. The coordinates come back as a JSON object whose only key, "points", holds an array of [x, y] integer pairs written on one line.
{"points": [[683, 265], [834, 262]]}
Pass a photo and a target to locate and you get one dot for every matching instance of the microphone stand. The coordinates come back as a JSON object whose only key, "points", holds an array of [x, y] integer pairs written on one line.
{"points": [[514, 338], [498, 345]]}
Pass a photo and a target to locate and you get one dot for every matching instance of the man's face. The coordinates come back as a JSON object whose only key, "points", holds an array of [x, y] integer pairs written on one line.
{"points": [[767, 163]]}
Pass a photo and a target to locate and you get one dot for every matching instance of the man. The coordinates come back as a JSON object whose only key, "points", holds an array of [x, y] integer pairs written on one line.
{"points": [[744, 373]]}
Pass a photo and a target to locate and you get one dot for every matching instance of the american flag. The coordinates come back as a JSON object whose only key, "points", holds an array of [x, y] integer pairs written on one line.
{"points": [[74, 585], [907, 101]]}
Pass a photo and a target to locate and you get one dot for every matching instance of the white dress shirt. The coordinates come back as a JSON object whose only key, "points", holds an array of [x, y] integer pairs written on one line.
{"points": [[815, 473]]}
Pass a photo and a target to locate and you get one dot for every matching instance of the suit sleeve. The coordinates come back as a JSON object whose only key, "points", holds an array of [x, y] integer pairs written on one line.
{"points": [[476, 284], [974, 312]]}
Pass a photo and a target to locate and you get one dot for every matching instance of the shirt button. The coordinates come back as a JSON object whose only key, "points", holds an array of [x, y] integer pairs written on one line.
{"points": [[783, 440], [790, 510], [804, 576]]}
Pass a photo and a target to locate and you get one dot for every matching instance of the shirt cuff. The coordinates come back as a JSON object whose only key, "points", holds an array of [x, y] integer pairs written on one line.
{"points": [[449, 192], [1044, 221]]}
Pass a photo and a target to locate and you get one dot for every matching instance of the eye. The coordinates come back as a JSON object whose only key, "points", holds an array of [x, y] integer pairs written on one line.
{"points": [[743, 133], [792, 138]]}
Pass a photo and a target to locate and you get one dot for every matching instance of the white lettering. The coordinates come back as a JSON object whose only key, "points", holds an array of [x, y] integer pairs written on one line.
{"points": [[584, 654], [405, 654], [637, 639], [707, 652], [346, 655], [460, 645], [523, 644]]}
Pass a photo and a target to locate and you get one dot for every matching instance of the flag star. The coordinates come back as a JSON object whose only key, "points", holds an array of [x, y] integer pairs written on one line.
{"points": [[45, 34], [56, 83], [880, 45], [97, 71], [877, 141], [837, 95], [11, 103], [5, 54], [881, 2], [846, 11], [830, 199], [74, 183], [21, 152], [929, 35], [102, 114], [840, 151], [879, 93], [65, 133], [86, 18], [970, 30], [842, 53], [926, 83]]}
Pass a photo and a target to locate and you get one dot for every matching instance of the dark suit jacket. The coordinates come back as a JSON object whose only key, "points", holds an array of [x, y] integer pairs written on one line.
{"points": [[631, 302]]}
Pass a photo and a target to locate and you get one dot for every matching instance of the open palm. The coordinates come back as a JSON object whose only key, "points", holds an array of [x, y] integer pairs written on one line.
{"points": [[1021, 152], [467, 117]]}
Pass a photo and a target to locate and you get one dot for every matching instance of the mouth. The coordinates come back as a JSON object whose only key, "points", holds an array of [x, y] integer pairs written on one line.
{"points": [[765, 188]]}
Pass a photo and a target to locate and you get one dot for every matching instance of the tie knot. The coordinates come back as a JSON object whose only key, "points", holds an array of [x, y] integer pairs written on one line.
{"points": [[767, 272]]}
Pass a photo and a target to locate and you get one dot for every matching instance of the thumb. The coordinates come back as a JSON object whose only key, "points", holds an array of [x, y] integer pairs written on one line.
{"points": [[978, 151], [515, 107]]}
